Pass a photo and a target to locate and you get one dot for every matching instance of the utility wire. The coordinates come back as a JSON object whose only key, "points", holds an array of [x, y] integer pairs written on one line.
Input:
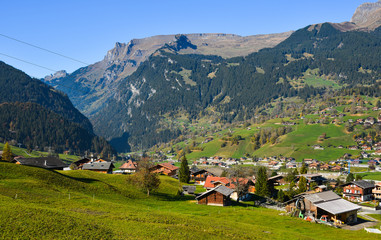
{"points": [[28, 62], [21, 60], [44, 49]]}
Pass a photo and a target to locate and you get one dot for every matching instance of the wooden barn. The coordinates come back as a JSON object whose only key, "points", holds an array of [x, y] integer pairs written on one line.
{"points": [[199, 177], [324, 203], [218, 196], [165, 168]]}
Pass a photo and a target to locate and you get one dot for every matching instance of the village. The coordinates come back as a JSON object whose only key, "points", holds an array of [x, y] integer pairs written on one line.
{"points": [[310, 190]]}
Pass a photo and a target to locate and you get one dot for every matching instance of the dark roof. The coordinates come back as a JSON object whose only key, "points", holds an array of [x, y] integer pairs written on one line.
{"points": [[338, 206], [42, 162], [221, 189], [98, 166], [194, 169], [82, 161], [189, 188], [362, 184]]}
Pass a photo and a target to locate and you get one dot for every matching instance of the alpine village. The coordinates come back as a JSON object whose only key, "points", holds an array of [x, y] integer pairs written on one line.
{"points": [[200, 136]]}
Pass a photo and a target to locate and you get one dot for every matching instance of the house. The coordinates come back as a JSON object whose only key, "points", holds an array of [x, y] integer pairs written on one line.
{"points": [[42, 162], [102, 167], [277, 180], [314, 165], [212, 182], [353, 148], [165, 168], [325, 167], [80, 162], [318, 178], [324, 203], [370, 120], [377, 192], [337, 168], [247, 185], [291, 165], [320, 188], [199, 177], [358, 190], [129, 167], [218, 196], [318, 147]]}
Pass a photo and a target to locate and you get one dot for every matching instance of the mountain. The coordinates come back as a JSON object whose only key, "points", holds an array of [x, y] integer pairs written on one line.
{"points": [[179, 80], [225, 90], [368, 15], [90, 87], [35, 114]]}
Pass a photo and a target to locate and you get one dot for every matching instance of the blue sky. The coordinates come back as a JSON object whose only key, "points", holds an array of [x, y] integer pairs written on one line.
{"points": [[86, 30]]}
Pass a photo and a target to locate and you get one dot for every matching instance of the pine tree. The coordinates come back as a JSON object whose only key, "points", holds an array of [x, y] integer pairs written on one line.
{"points": [[349, 178], [280, 196], [7, 153], [303, 169], [184, 170], [261, 184], [302, 185]]}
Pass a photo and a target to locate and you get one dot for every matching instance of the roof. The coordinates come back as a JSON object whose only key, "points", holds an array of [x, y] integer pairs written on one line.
{"points": [[362, 184], [322, 197], [210, 180], [276, 177], [221, 189], [216, 171], [338, 206], [168, 166], [98, 166], [82, 161], [128, 165], [43, 162]]}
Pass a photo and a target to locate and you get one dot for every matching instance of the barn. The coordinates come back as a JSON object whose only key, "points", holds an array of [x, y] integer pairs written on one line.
{"points": [[218, 196]]}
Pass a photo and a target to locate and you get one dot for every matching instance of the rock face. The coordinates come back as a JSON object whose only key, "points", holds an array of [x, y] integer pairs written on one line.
{"points": [[368, 15], [90, 87]]}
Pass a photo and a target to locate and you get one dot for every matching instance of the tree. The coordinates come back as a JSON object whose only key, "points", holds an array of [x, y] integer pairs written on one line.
{"points": [[236, 175], [302, 185], [184, 170], [358, 177], [280, 196], [145, 179], [261, 184], [7, 153], [303, 169], [349, 178]]}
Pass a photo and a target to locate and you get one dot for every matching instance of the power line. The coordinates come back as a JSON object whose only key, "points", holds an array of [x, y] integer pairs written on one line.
{"points": [[21, 60], [44, 49]]}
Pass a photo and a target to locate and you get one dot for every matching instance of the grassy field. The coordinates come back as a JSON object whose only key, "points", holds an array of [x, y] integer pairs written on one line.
{"points": [[371, 176], [40, 204]]}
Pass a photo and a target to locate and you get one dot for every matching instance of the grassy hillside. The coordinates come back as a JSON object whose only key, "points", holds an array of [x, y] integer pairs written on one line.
{"points": [[41, 204]]}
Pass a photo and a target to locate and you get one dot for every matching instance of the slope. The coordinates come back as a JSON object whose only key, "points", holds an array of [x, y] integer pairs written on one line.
{"points": [[37, 203]]}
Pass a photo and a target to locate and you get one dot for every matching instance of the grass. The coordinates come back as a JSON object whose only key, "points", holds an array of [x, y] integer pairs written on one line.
{"points": [[376, 216], [371, 176], [108, 207]]}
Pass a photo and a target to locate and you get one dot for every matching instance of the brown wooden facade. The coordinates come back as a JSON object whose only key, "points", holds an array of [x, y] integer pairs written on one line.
{"points": [[214, 198]]}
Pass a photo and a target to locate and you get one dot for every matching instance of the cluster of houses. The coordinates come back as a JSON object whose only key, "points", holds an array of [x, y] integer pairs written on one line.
{"points": [[218, 161]]}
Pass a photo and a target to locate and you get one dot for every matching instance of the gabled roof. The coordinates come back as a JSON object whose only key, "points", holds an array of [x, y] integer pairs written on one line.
{"points": [[98, 166], [168, 166], [209, 182], [338, 206], [361, 183], [82, 161], [322, 197], [128, 165], [43, 162], [221, 189]]}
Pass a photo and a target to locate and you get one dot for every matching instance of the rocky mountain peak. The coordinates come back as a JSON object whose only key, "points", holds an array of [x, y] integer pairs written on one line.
{"points": [[59, 74], [367, 14]]}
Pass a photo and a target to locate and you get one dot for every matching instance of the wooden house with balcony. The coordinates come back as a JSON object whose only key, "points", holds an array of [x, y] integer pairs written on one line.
{"points": [[377, 192], [199, 176], [129, 167], [165, 168], [358, 190]]}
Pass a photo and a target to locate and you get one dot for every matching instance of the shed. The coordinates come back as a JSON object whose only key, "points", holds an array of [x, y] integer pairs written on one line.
{"points": [[218, 196]]}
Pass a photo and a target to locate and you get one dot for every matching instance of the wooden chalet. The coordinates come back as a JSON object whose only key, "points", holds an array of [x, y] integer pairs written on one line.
{"points": [[102, 167], [42, 162], [165, 168], [358, 190], [79, 163], [277, 180], [129, 167], [377, 191], [199, 177], [218, 196], [324, 203], [212, 182]]}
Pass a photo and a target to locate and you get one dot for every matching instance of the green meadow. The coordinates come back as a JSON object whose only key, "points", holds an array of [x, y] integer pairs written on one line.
{"points": [[41, 204]]}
